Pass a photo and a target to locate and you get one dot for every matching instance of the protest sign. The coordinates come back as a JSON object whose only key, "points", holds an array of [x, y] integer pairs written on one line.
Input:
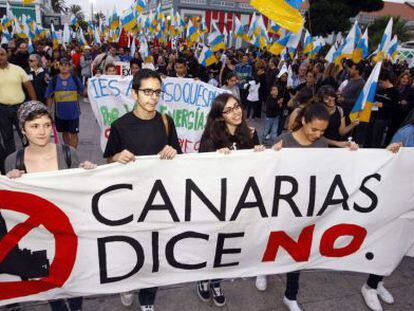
{"points": [[187, 101], [204, 216]]}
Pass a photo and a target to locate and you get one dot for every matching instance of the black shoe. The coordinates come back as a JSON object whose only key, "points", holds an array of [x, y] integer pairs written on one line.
{"points": [[203, 291], [218, 296]]}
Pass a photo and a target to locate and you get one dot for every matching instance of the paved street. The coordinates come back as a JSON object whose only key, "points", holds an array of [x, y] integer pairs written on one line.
{"points": [[320, 290]]}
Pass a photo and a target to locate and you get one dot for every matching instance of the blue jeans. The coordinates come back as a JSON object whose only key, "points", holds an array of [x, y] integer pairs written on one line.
{"points": [[271, 127]]}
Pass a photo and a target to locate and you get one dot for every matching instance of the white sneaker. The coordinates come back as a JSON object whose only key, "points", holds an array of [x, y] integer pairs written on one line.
{"points": [[371, 298], [261, 282], [384, 294], [127, 299], [147, 308], [292, 305]]}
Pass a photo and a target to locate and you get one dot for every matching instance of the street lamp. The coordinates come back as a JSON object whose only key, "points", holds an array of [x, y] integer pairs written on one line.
{"points": [[92, 2]]}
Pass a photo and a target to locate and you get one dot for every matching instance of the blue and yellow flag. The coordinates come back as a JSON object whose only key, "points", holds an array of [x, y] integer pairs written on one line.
{"points": [[81, 37], [274, 28], [278, 46], [308, 43], [385, 42], [6, 22], [55, 38], [206, 57], [240, 30], [216, 41], [392, 50], [363, 106], [129, 20], [140, 5], [361, 51], [114, 21], [193, 34], [285, 13], [74, 21]]}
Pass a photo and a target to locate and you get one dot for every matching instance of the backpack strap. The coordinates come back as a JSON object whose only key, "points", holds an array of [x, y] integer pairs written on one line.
{"points": [[20, 160], [102, 62], [68, 155], [76, 81], [54, 83], [166, 126]]}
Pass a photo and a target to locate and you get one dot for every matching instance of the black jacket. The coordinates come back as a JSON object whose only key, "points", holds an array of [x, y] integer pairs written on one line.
{"points": [[40, 85]]}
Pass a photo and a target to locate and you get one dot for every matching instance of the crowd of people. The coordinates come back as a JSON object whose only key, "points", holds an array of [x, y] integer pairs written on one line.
{"points": [[305, 107]]}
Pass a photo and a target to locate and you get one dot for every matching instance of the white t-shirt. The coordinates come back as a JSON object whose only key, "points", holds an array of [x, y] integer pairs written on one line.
{"points": [[148, 66], [213, 82], [253, 88]]}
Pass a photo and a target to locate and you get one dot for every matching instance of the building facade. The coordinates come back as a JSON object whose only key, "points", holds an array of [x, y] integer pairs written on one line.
{"points": [[220, 11], [403, 10], [36, 10]]}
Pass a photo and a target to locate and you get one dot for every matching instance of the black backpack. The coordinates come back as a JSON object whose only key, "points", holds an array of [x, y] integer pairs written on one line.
{"points": [[20, 158]]}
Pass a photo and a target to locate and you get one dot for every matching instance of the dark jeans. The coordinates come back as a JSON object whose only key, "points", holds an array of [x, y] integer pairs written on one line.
{"points": [[146, 296], [359, 134], [282, 122], [292, 285], [60, 305], [2, 158], [251, 108], [8, 118], [375, 133], [373, 280], [258, 110]]}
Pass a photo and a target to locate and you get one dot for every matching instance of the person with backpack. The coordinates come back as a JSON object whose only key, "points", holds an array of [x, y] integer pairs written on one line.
{"points": [[40, 155], [143, 131], [64, 91]]}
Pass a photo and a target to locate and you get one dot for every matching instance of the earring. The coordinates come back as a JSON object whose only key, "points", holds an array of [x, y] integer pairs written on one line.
{"points": [[24, 141]]}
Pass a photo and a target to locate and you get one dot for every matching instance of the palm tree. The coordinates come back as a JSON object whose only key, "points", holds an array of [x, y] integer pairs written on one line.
{"points": [[99, 16], [376, 29], [76, 10], [59, 6]]}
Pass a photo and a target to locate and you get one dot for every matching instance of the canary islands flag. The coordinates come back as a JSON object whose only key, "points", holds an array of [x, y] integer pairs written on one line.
{"points": [[308, 44], [140, 5], [361, 51], [216, 41], [285, 13], [192, 33], [206, 57], [129, 21], [277, 47], [365, 102], [392, 50]]}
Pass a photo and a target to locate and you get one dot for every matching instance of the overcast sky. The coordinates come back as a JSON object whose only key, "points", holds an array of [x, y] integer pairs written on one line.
{"points": [[101, 5], [108, 6]]}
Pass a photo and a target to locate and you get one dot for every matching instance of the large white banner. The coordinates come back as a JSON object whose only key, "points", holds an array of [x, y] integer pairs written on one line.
{"points": [[204, 216], [187, 101]]}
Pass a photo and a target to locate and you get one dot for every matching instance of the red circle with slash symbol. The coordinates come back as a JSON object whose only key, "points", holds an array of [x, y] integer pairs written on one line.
{"points": [[45, 213]]}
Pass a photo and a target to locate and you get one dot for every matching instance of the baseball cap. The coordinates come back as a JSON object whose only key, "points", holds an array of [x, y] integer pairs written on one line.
{"points": [[65, 60]]}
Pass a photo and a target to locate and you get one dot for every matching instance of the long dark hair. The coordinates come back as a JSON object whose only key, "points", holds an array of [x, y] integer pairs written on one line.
{"points": [[310, 113], [216, 129], [305, 99]]}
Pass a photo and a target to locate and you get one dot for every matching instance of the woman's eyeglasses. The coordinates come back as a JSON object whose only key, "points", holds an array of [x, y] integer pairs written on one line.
{"points": [[232, 109]]}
